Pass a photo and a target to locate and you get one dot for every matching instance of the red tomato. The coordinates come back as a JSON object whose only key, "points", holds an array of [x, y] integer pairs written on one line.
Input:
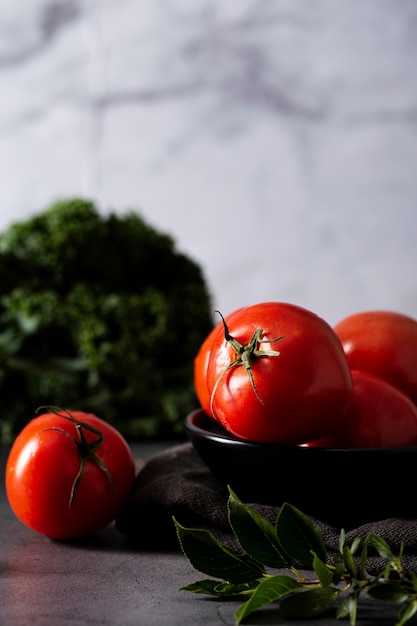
{"points": [[68, 473], [380, 416], [201, 362], [277, 373], [383, 343]]}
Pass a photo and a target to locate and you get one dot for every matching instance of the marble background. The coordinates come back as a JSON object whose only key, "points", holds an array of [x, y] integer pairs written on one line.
{"points": [[275, 140]]}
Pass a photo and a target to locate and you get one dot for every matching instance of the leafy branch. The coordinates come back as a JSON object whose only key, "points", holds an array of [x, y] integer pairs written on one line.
{"points": [[267, 567]]}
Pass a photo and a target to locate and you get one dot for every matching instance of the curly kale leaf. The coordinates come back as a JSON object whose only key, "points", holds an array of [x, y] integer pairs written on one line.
{"points": [[100, 313]]}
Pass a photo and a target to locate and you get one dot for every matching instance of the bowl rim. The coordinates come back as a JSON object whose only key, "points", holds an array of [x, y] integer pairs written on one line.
{"points": [[194, 429]]}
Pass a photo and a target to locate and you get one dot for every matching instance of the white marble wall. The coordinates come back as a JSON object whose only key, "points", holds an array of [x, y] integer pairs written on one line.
{"points": [[276, 140]]}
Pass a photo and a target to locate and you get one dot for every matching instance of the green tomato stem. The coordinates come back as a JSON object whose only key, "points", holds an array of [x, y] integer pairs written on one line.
{"points": [[86, 450], [245, 355]]}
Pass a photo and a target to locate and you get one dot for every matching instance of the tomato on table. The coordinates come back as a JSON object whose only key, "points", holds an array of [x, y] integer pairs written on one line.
{"points": [[276, 373], [68, 473], [380, 416], [383, 343]]}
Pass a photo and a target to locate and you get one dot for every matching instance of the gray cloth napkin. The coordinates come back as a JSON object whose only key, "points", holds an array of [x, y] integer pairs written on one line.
{"points": [[177, 483]]}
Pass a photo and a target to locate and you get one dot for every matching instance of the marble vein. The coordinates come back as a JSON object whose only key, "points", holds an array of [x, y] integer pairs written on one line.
{"points": [[288, 123], [52, 18]]}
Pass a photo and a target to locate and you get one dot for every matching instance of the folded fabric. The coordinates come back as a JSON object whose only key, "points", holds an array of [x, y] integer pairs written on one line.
{"points": [[176, 482]]}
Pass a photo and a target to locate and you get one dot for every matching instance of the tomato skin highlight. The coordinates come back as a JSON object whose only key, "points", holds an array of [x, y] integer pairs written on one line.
{"points": [[43, 464], [201, 363], [304, 391], [383, 343], [380, 416]]}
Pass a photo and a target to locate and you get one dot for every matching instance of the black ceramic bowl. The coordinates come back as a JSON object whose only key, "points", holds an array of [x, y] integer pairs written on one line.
{"points": [[345, 488]]}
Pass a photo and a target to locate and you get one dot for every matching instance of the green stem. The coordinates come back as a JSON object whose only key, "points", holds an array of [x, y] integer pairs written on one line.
{"points": [[86, 449], [245, 355]]}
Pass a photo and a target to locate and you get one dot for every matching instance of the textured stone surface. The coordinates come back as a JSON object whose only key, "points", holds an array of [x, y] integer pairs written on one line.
{"points": [[106, 582], [276, 141]]}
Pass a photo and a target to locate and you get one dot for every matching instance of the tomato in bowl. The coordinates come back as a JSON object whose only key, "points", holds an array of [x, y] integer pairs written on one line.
{"points": [[345, 487]]}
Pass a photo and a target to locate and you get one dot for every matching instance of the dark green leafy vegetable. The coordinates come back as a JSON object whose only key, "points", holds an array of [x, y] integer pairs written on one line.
{"points": [[290, 545], [98, 313]]}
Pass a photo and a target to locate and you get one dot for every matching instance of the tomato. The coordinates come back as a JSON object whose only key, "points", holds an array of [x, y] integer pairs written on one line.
{"points": [[380, 416], [68, 473], [383, 343], [201, 362], [277, 373]]}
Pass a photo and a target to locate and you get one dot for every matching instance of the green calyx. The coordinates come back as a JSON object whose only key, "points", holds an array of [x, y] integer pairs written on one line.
{"points": [[86, 449], [246, 354]]}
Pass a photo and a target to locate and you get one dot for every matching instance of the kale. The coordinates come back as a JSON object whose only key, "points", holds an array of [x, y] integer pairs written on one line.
{"points": [[100, 313]]}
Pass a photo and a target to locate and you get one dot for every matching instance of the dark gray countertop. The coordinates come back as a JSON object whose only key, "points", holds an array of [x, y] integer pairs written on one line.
{"points": [[108, 582]]}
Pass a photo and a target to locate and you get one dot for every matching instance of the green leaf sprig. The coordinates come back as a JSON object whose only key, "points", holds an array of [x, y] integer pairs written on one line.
{"points": [[268, 564]]}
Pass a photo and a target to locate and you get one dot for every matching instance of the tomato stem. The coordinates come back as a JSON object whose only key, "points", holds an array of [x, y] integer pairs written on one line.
{"points": [[86, 449], [246, 354]]}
